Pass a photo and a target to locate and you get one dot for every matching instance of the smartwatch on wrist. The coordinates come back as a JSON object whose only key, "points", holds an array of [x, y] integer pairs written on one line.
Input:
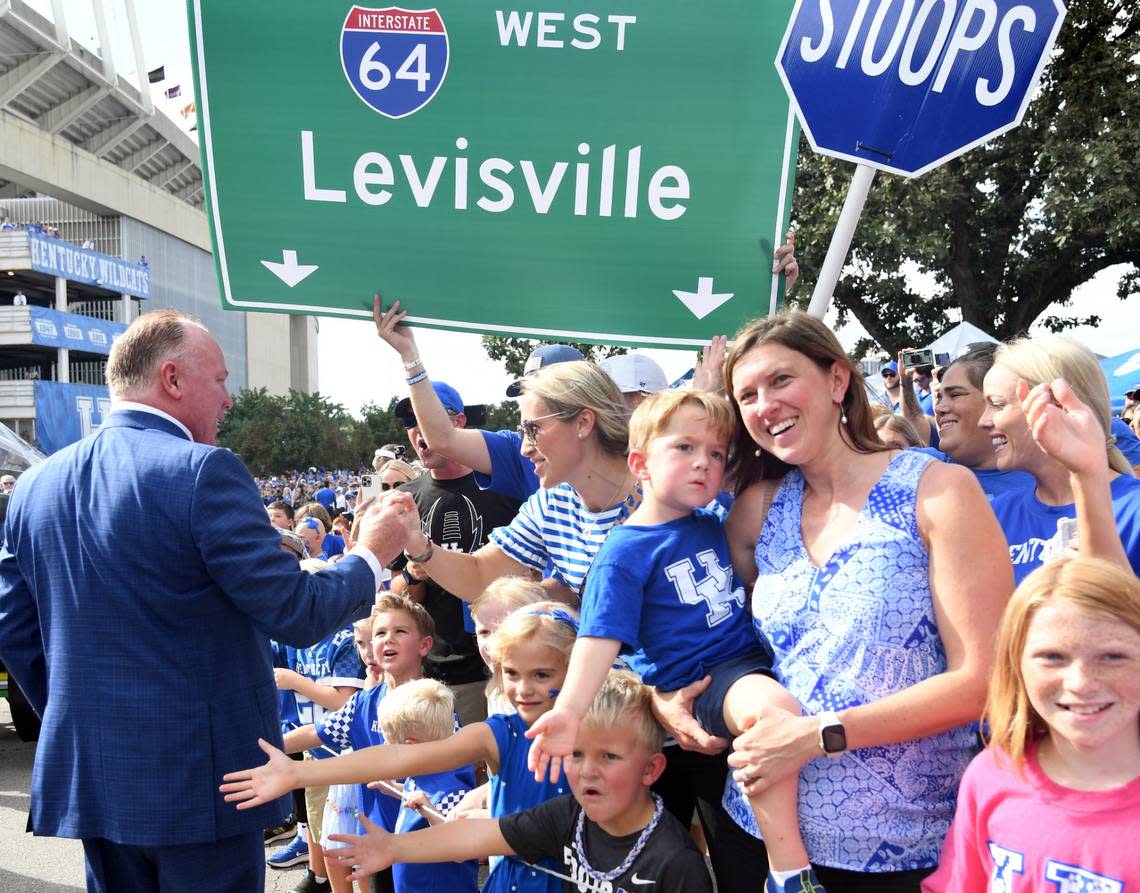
{"points": [[408, 578], [832, 735]]}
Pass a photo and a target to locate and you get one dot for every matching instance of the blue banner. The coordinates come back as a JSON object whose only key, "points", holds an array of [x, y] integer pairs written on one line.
{"points": [[50, 328], [66, 413], [61, 258]]}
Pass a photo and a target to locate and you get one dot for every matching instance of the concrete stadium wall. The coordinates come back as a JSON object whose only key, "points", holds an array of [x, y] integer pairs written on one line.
{"points": [[267, 351], [54, 166], [183, 277]]}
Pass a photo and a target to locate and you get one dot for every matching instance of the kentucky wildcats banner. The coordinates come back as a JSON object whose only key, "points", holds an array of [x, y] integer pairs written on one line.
{"points": [[50, 328], [67, 412], [59, 258]]}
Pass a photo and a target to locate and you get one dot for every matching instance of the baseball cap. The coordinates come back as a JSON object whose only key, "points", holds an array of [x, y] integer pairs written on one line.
{"points": [[540, 358], [889, 367], [635, 373], [451, 401]]}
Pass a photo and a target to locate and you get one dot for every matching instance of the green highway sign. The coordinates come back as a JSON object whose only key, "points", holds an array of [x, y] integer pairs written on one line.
{"points": [[557, 172]]}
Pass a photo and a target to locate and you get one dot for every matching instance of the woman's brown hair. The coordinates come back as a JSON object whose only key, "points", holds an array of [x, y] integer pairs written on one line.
{"points": [[809, 336]]}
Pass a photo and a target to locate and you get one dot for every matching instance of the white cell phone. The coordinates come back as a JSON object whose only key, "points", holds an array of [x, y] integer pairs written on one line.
{"points": [[369, 488]]}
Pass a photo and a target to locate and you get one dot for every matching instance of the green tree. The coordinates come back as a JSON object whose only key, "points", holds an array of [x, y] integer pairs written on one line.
{"points": [[382, 424], [273, 434], [502, 416], [512, 352], [1010, 228]]}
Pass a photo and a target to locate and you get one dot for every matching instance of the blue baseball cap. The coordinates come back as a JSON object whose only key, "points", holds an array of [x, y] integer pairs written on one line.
{"points": [[451, 401], [540, 358], [890, 367]]}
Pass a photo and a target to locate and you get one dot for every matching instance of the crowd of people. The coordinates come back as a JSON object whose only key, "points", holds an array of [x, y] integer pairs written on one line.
{"points": [[831, 643]]}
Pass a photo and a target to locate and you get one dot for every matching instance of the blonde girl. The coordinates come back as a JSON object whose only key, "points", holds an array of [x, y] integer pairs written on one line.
{"points": [[1032, 380], [530, 652], [1054, 802], [504, 596]]}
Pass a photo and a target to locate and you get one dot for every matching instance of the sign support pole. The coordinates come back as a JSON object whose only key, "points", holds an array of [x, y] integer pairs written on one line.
{"points": [[841, 240]]}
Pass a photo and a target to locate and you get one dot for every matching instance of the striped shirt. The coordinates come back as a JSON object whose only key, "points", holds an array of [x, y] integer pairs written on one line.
{"points": [[555, 525]]}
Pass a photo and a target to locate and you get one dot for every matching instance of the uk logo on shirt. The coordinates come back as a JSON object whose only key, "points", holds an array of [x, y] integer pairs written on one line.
{"points": [[715, 591], [1009, 868]]}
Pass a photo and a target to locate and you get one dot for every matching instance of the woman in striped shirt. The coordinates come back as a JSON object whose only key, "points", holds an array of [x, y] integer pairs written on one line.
{"points": [[575, 428]]}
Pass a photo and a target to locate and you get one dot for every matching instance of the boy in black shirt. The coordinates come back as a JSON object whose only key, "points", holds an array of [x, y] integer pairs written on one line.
{"points": [[612, 835]]}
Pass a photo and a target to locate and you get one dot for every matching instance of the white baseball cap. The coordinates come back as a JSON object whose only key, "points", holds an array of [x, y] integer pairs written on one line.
{"points": [[635, 373]]}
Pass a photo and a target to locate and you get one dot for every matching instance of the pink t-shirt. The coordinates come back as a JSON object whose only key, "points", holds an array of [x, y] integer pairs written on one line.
{"points": [[1031, 835]]}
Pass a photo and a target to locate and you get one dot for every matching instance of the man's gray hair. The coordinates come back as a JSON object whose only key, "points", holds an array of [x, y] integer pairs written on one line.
{"points": [[149, 341]]}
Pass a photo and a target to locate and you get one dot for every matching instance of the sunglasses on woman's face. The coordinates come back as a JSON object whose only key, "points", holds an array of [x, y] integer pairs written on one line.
{"points": [[385, 487], [529, 428]]}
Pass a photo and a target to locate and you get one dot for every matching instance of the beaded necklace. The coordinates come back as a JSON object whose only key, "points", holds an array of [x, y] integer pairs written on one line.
{"points": [[614, 874]]}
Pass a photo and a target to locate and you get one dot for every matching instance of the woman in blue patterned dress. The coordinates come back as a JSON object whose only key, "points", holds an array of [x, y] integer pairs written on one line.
{"points": [[880, 578]]}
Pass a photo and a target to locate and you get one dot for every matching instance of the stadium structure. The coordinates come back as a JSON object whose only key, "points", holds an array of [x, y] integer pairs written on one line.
{"points": [[103, 218]]}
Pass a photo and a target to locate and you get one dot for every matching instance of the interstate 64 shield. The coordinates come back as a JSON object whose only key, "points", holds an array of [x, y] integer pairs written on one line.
{"points": [[616, 174], [394, 58]]}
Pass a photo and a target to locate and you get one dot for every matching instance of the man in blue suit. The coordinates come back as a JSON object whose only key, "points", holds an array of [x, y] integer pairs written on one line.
{"points": [[150, 666]]}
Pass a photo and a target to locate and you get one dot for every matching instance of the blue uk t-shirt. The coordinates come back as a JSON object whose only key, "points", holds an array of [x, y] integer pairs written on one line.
{"points": [[444, 790], [514, 789], [1034, 534], [994, 482], [669, 594], [1127, 442]]}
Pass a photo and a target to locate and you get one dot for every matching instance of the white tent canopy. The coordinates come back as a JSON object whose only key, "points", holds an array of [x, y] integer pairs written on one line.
{"points": [[16, 454], [953, 341]]}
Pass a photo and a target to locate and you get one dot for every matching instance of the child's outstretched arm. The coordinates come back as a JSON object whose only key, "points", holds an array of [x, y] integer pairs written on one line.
{"points": [[554, 732], [303, 738], [252, 787], [376, 849]]}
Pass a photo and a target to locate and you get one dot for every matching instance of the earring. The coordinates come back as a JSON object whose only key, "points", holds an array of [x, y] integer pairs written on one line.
{"points": [[580, 435], [757, 454], [843, 417]]}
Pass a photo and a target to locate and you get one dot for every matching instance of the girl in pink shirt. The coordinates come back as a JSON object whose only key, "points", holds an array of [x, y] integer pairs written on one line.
{"points": [[1053, 804]]}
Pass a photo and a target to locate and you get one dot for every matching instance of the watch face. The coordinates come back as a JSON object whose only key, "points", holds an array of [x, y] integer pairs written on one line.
{"points": [[834, 739]]}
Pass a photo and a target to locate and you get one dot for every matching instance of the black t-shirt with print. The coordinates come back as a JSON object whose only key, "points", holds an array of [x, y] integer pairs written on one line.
{"points": [[669, 863], [455, 515]]}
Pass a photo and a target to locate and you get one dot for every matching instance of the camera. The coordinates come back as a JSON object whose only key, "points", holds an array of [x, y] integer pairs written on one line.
{"points": [[914, 358]]}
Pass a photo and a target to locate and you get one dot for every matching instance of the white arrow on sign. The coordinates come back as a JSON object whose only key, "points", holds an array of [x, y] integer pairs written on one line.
{"points": [[704, 300], [289, 271]]}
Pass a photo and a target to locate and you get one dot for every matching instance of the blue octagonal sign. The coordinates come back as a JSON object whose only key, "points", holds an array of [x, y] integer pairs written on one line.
{"points": [[905, 85]]}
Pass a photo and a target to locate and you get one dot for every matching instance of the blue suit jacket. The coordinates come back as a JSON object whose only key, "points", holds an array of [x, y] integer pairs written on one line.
{"points": [[139, 585]]}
